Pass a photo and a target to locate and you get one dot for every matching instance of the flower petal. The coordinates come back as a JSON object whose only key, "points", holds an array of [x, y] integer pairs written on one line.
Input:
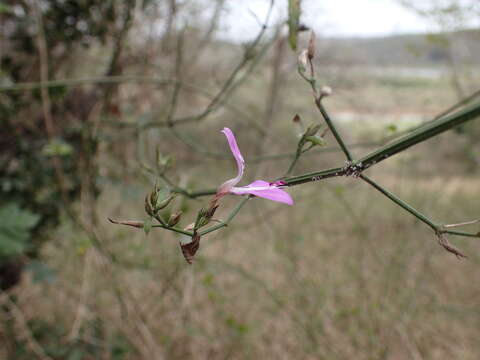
{"points": [[264, 190], [232, 142]]}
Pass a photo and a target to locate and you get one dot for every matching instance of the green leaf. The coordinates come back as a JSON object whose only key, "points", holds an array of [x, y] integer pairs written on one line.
{"points": [[57, 148], [15, 226], [6, 9], [293, 22]]}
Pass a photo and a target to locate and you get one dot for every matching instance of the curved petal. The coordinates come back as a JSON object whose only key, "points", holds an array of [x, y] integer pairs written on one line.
{"points": [[232, 142], [264, 190]]}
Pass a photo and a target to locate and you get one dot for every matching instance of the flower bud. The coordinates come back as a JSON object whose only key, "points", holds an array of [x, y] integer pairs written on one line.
{"points": [[312, 130], [311, 46], [211, 211], [174, 218], [302, 61], [202, 219], [326, 91], [157, 200], [149, 206], [161, 204], [315, 140]]}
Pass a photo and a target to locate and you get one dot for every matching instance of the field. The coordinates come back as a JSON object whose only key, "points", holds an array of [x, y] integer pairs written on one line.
{"points": [[342, 274]]}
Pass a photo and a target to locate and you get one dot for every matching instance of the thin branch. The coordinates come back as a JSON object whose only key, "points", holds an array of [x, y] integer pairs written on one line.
{"points": [[46, 103], [462, 224], [318, 102], [230, 83], [22, 323], [462, 233], [333, 129], [421, 134], [178, 83], [401, 203], [141, 224]]}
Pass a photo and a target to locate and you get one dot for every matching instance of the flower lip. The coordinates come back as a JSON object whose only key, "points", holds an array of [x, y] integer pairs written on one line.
{"points": [[260, 188]]}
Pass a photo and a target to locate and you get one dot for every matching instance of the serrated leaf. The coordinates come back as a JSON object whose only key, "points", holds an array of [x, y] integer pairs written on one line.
{"points": [[15, 226]]}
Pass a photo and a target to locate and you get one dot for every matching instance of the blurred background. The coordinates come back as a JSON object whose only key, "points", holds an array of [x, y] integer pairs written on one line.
{"points": [[101, 99]]}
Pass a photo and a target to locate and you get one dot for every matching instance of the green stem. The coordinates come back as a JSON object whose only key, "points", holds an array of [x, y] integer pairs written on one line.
{"points": [[401, 203], [333, 129], [314, 176], [293, 163], [421, 134], [323, 111], [205, 192], [461, 233], [174, 229]]}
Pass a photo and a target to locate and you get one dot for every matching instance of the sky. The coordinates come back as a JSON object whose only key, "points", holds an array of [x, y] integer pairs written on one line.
{"points": [[329, 17]]}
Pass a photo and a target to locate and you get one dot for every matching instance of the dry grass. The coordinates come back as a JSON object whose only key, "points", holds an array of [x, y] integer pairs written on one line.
{"points": [[344, 274]]}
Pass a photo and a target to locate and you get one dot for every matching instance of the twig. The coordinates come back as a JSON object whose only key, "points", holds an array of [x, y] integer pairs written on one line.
{"points": [[333, 129], [230, 83], [462, 224], [401, 203], [318, 102], [46, 103], [20, 320], [140, 224], [178, 77]]}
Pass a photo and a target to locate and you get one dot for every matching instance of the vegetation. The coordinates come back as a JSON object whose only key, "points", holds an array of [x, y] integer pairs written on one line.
{"points": [[105, 102]]}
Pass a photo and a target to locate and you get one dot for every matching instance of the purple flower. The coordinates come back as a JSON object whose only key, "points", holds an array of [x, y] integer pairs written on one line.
{"points": [[258, 188]]}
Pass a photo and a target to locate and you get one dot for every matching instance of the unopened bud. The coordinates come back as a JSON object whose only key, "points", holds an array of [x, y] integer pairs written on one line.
{"points": [[174, 218], [326, 91], [311, 46], [148, 205], [161, 204], [202, 219], [211, 211], [302, 61], [157, 200], [296, 119], [315, 140], [137, 224], [312, 130]]}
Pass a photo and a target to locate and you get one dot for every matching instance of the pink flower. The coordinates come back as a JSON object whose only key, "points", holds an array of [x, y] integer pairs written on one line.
{"points": [[258, 188]]}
